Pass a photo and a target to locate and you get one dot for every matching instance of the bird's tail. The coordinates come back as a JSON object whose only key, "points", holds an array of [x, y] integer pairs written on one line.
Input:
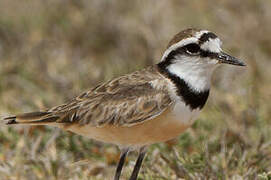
{"points": [[33, 118]]}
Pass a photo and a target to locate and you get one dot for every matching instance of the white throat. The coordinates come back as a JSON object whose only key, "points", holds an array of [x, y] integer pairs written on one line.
{"points": [[194, 71]]}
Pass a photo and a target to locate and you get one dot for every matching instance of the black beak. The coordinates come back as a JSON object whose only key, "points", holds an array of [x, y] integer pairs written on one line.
{"points": [[227, 59]]}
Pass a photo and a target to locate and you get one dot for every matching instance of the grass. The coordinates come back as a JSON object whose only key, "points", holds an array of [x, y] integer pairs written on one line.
{"points": [[51, 51]]}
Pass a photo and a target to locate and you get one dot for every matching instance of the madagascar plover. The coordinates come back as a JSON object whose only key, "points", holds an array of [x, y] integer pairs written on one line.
{"points": [[152, 105]]}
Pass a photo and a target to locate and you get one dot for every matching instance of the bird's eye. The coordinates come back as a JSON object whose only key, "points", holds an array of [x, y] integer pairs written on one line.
{"points": [[192, 48]]}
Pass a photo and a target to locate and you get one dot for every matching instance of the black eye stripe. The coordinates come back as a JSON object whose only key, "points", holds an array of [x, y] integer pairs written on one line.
{"points": [[208, 54], [183, 51], [192, 48]]}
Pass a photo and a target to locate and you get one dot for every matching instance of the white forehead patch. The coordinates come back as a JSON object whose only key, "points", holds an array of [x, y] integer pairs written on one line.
{"points": [[212, 45], [179, 44]]}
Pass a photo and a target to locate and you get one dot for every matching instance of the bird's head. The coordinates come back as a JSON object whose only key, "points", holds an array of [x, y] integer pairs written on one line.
{"points": [[193, 54]]}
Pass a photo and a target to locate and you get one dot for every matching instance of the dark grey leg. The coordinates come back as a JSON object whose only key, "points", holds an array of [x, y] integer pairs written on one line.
{"points": [[139, 160], [120, 164]]}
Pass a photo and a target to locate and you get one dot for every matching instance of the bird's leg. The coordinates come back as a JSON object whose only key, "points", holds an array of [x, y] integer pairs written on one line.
{"points": [[139, 160], [123, 155]]}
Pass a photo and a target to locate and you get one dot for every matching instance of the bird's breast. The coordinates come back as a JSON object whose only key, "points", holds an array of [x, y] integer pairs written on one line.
{"points": [[183, 114]]}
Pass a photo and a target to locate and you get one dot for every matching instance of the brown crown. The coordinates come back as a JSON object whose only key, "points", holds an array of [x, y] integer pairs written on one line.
{"points": [[182, 35]]}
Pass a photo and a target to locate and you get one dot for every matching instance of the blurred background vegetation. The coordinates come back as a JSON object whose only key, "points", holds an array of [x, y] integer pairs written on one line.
{"points": [[52, 50]]}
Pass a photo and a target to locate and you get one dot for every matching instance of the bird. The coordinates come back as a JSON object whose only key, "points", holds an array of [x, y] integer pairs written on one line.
{"points": [[148, 106]]}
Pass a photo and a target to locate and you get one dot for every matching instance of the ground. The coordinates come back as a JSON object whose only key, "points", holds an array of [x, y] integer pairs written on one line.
{"points": [[52, 50]]}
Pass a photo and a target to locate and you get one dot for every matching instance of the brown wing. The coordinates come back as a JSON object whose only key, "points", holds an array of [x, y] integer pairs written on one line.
{"points": [[124, 101]]}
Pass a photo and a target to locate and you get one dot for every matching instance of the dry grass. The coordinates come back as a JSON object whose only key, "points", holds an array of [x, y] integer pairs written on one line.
{"points": [[52, 50]]}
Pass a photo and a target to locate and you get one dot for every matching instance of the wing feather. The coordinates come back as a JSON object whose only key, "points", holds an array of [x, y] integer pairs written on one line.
{"points": [[125, 101]]}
